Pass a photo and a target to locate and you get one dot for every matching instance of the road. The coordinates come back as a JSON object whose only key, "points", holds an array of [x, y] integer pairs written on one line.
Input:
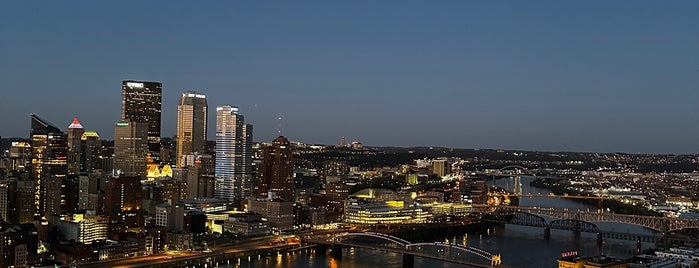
{"points": [[259, 243], [163, 258]]}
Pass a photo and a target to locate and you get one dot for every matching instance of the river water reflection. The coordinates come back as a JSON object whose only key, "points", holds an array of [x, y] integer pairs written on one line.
{"points": [[519, 246]]}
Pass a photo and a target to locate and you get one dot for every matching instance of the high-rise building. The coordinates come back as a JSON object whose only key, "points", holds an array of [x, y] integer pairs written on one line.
{"points": [[199, 176], [124, 197], [191, 124], [141, 101], [4, 199], [276, 174], [75, 132], [90, 157], [131, 148], [22, 205], [233, 155], [20, 157], [49, 165]]}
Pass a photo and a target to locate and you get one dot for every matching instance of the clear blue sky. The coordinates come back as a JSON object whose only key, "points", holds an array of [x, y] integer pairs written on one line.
{"points": [[541, 75]]}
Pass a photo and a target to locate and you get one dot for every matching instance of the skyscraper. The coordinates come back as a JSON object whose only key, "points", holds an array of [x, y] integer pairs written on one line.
{"points": [[90, 149], [49, 165], [131, 148], [75, 133], [277, 170], [191, 125], [141, 101], [233, 155]]}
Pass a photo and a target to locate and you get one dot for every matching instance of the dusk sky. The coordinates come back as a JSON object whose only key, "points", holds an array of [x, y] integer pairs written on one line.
{"points": [[537, 75]]}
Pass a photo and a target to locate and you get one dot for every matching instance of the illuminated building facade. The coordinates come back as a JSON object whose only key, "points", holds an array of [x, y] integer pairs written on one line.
{"points": [[191, 125], [49, 165], [20, 156], [233, 155], [75, 132], [131, 148], [83, 228], [277, 170], [4, 198], [383, 212], [141, 101]]}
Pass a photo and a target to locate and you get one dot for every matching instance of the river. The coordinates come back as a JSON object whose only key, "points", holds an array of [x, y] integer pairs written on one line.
{"points": [[519, 246]]}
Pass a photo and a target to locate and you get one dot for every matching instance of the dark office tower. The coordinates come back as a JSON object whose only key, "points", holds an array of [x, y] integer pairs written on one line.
{"points": [[24, 202], [276, 174], [123, 202], [91, 146], [131, 148], [71, 194], [49, 165], [75, 133], [191, 125], [141, 101], [233, 155]]}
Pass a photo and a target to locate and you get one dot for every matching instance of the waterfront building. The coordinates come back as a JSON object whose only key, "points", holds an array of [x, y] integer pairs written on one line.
{"points": [[679, 253], [572, 260], [279, 213], [141, 101], [383, 206], [191, 125]]}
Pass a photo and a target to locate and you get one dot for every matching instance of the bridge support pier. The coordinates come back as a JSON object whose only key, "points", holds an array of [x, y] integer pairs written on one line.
{"points": [[600, 239], [547, 233], [639, 246], [321, 249], [408, 261], [336, 251]]}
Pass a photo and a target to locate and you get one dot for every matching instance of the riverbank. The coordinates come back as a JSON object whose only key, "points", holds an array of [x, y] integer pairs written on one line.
{"points": [[616, 206]]}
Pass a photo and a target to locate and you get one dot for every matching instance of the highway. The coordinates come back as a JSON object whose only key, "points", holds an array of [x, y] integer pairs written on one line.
{"points": [[163, 258]]}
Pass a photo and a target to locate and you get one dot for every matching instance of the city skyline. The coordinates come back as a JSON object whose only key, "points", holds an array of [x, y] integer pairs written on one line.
{"points": [[593, 76]]}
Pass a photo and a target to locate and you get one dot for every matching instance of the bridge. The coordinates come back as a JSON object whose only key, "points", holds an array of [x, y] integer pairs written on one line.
{"points": [[532, 216], [445, 252]]}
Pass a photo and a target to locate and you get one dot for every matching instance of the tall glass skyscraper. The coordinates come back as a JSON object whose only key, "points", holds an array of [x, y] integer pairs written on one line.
{"points": [[191, 124], [233, 155], [49, 165], [141, 101]]}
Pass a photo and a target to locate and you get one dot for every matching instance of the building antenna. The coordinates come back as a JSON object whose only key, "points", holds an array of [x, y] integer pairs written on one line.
{"points": [[279, 122]]}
